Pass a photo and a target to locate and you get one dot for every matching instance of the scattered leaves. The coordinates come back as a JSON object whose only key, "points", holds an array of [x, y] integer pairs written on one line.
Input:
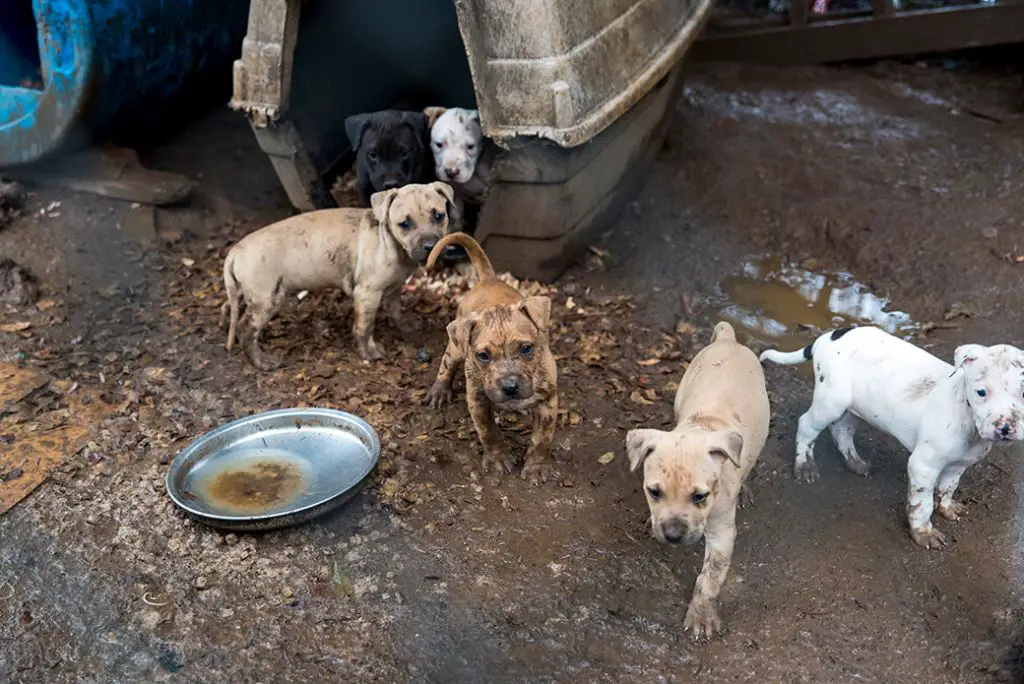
{"points": [[606, 458]]}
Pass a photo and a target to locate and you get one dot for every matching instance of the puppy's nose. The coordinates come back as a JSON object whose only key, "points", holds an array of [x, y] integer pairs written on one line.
{"points": [[672, 531], [1005, 429], [451, 173], [510, 386], [389, 184], [428, 245]]}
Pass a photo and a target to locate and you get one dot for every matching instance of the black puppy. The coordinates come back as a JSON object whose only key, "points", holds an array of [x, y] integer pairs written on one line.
{"points": [[392, 150]]}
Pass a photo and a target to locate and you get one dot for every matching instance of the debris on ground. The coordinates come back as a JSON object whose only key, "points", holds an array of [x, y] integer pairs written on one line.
{"points": [[18, 287], [12, 199]]}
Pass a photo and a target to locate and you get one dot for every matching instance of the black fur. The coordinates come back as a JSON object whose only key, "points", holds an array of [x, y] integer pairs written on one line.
{"points": [[392, 150], [809, 351], [836, 334]]}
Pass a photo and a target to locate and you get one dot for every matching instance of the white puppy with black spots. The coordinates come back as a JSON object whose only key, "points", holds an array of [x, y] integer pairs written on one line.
{"points": [[461, 155], [948, 416]]}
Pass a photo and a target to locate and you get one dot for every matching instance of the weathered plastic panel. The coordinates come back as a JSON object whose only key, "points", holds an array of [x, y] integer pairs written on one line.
{"points": [[565, 69]]}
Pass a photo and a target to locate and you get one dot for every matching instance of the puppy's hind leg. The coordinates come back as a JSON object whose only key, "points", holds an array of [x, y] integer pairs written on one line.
{"points": [[367, 303], [822, 413], [260, 313], [843, 431]]}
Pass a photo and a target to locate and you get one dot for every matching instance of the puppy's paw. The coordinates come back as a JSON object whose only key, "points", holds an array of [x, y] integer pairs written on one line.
{"points": [[439, 395], [928, 537], [371, 351], [702, 619], [806, 471], [497, 461], [261, 360], [953, 511], [538, 472]]}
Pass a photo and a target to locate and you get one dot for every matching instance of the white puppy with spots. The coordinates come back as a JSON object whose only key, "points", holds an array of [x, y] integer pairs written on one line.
{"points": [[948, 416], [461, 158], [694, 475]]}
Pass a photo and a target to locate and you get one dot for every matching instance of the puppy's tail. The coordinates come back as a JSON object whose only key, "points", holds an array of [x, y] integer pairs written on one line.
{"points": [[477, 256], [789, 358], [231, 290]]}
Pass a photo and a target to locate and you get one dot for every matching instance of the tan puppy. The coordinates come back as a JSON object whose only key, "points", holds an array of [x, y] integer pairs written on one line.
{"points": [[502, 337], [367, 253], [693, 475]]}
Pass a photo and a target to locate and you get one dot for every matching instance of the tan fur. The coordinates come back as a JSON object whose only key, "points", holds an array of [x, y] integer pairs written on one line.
{"points": [[493, 318], [367, 253], [694, 475]]}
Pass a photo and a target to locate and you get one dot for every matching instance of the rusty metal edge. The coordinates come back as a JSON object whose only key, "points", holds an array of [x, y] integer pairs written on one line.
{"points": [[903, 33]]}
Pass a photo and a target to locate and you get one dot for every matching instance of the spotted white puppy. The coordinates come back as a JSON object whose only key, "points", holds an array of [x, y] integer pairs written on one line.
{"points": [[948, 416], [456, 141]]}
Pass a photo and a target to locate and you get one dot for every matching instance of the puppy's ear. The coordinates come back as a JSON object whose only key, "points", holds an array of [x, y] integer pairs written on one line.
{"points": [[474, 115], [419, 124], [640, 444], [460, 331], [444, 190], [538, 310], [726, 445], [380, 202], [967, 354], [355, 125], [433, 114]]}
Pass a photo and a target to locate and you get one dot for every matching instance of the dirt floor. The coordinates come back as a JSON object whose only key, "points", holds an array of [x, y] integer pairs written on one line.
{"points": [[907, 177]]}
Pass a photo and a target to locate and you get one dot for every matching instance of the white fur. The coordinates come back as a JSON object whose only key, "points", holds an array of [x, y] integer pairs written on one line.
{"points": [[933, 408], [456, 141]]}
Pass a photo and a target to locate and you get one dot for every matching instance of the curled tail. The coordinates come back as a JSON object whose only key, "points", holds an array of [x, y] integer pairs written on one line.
{"points": [[231, 290], [477, 256]]}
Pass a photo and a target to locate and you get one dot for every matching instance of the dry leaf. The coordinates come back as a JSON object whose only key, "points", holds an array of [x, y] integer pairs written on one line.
{"points": [[606, 458], [15, 327], [649, 362], [638, 398], [684, 328]]}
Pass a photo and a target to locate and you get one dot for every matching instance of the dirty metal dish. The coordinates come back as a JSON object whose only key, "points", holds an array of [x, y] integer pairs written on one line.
{"points": [[273, 469]]}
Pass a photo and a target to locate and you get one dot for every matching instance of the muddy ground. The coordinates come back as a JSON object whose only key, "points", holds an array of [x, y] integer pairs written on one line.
{"points": [[907, 176]]}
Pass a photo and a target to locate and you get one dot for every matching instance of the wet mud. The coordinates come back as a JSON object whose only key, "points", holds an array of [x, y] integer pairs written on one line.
{"points": [[790, 200]]}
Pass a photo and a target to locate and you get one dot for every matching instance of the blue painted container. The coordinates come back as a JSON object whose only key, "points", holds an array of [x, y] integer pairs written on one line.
{"points": [[75, 70]]}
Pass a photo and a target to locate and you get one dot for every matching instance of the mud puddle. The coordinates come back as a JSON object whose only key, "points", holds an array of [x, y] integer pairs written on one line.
{"points": [[782, 303]]}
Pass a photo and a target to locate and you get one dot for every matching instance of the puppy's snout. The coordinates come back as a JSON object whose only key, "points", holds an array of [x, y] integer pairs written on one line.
{"points": [[428, 245], [1005, 429], [450, 172], [389, 184], [673, 531], [510, 386]]}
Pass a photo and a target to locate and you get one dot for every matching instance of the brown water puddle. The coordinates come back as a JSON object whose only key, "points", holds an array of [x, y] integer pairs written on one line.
{"points": [[784, 304]]}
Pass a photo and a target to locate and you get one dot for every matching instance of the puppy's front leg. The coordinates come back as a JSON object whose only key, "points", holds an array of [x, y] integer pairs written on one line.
{"points": [[482, 413], [441, 391], [367, 303], [719, 535], [923, 470], [539, 467], [949, 480]]}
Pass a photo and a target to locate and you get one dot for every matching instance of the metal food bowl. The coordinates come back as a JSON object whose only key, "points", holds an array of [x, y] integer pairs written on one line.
{"points": [[274, 469]]}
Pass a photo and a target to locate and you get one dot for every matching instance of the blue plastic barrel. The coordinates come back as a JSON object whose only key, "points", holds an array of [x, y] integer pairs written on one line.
{"points": [[72, 70]]}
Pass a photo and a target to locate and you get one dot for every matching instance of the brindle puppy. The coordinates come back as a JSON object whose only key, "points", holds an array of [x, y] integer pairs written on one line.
{"points": [[502, 338]]}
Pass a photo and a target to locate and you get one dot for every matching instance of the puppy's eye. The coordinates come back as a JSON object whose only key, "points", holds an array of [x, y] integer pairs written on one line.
{"points": [[405, 224], [655, 492], [438, 146], [526, 349], [372, 156], [483, 356], [700, 497], [982, 393], [438, 216], [470, 147]]}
